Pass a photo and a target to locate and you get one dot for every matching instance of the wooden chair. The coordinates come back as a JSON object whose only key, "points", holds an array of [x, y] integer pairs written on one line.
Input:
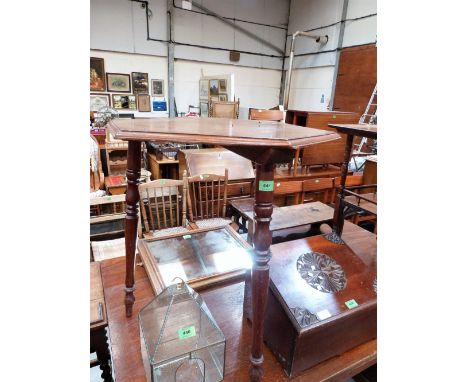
{"points": [[95, 167], [289, 188], [323, 186], [207, 200], [351, 180], [224, 109], [266, 115], [163, 205]]}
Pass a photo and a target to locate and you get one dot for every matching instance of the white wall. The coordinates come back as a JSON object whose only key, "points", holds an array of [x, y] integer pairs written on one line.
{"points": [[258, 88], [313, 75], [255, 87], [118, 31], [120, 25]]}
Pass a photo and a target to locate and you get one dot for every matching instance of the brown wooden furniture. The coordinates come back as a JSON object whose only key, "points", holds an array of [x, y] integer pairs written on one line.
{"points": [[287, 217], [202, 258], [351, 181], [214, 161], [289, 188], [207, 200], [116, 153], [226, 304], [163, 168], [322, 186], [357, 76], [325, 153], [95, 169], [322, 302], [352, 130], [219, 109], [163, 206], [369, 175], [267, 144], [98, 323], [266, 115], [107, 217], [115, 184]]}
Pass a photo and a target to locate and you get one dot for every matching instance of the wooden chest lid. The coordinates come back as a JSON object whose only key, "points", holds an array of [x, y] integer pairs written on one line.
{"points": [[316, 280]]}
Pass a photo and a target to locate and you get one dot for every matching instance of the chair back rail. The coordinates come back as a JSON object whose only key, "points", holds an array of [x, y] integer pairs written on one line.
{"points": [[163, 203], [223, 109], [207, 196], [266, 115]]}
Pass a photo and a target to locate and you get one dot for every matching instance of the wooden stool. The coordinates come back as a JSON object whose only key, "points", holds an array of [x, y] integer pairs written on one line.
{"points": [[98, 323]]}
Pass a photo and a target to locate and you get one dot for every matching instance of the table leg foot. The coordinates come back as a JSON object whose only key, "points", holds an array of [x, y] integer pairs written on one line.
{"points": [[256, 374], [334, 238], [129, 301]]}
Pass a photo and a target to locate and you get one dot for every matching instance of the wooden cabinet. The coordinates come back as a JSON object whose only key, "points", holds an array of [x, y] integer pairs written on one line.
{"points": [[327, 152]]}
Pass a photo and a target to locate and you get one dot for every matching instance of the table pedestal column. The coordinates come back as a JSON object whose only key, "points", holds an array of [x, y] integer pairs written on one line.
{"points": [[263, 208], [131, 221]]}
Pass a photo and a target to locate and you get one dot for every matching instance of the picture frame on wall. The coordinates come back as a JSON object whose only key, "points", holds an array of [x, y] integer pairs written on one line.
{"points": [[215, 98], [97, 78], [124, 101], [140, 82], [203, 109], [204, 89], [118, 82], [223, 97], [98, 101], [223, 85], [144, 102], [157, 88], [214, 87]]}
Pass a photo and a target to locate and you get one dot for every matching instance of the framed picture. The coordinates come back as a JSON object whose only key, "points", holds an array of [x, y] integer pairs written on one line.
{"points": [[204, 89], [140, 82], [124, 101], [216, 98], [98, 101], [223, 85], [223, 97], [144, 103], [118, 82], [157, 88], [214, 87], [97, 80], [203, 109]]}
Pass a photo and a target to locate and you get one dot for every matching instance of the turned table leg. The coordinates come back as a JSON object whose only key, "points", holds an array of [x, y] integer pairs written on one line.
{"points": [[338, 215], [131, 220], [263, 209]]}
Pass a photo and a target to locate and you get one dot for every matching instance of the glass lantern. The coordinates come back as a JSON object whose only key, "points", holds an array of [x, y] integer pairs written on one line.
{"points": [[180, 340]]}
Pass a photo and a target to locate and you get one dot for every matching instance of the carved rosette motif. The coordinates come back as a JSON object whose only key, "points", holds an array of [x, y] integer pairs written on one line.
{"points": [[321, 272], [304, 317]]}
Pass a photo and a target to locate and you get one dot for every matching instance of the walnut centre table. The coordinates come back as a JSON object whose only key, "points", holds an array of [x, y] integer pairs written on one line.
{"points": [[265, 143]]}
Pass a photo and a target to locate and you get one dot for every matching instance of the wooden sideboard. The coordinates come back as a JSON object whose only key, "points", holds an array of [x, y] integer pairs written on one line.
{"points": [[327, 152]]}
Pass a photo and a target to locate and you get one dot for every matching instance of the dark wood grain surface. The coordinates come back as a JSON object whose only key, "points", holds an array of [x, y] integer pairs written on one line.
{"points": [[226, 305], [360, 130], [298, 215], [218, 131]]}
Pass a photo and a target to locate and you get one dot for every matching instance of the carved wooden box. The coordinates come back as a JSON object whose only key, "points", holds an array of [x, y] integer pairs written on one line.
{"points": [[322, 302]]}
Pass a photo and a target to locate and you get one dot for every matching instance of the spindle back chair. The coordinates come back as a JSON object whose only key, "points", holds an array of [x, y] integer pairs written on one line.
{"points": [[207, 199], [163, 205]]}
